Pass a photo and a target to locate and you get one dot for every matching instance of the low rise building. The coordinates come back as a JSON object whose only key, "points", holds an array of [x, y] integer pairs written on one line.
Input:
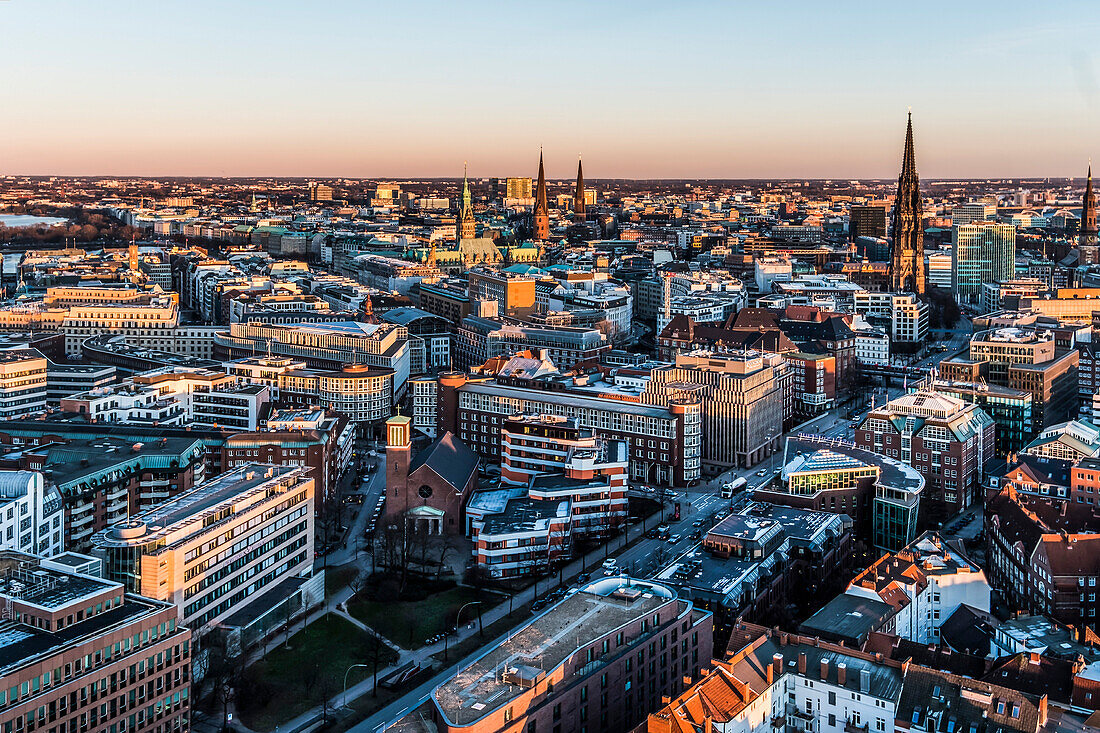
{"points": [[313, 438], [328, 346], [22, 383], [31, 514], [605, 656], [1043, 556], [1025, 359], [101, 480], [744, 398], [758, 563], [771, 680], [664, 443], [881, 495], [65, 380], [922, 584]]}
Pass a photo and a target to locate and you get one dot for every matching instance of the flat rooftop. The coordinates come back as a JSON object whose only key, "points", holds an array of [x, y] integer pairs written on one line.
{"points": [[545, 643], [189, 507], [45, 587]]}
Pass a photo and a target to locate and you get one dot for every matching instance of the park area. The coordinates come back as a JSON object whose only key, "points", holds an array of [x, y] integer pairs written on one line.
{"points": [[425, 609], [309, 672]]}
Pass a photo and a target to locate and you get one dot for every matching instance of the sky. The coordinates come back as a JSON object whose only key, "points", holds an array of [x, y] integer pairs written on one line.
{"points": [[684, 89]]}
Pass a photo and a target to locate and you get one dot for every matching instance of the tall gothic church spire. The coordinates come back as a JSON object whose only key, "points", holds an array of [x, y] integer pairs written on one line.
{"points": [[1088, 214], [578, 195], [907, 260], [542, 209], [467, 227]]}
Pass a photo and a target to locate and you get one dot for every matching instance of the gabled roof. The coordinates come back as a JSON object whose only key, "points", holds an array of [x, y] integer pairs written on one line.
{"points": [[450, 459]]}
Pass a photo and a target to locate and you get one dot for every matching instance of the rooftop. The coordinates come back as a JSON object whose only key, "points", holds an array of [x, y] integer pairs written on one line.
{"points": [[204, 506], [545, 643]]}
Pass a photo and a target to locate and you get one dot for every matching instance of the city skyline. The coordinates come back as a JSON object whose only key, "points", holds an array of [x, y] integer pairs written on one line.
{"points": [[686, 91]]}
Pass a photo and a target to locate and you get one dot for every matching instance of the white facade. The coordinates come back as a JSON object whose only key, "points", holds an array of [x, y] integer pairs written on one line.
{"points": [[31, 515], [236, 406], [425, 404], [771, 269], [22, 383]]}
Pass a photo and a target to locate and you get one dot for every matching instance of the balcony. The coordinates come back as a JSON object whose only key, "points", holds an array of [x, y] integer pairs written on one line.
{"points": [[850, 727]]}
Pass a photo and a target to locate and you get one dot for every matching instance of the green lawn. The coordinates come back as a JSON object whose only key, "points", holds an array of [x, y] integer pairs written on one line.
{"points": [[409, 623], [337, 578], [291, 681]]}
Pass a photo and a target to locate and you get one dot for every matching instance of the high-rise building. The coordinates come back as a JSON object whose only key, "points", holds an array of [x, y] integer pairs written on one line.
{"points": [[517, 188], [542, 208], [579, 195], [57, 621], [983, 252], [907, 259], [867, 220]]}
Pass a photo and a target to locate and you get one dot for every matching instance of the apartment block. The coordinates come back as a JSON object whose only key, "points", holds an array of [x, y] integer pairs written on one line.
{"points": [[223, 545], [81, 652], [945, 439]]}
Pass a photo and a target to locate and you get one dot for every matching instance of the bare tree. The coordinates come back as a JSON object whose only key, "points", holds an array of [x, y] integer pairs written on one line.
{"points": [[223, 668]]}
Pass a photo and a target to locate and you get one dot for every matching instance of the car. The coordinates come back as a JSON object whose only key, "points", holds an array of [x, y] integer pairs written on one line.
{"points": [[583, 578], [762, 473], [610, 562], [697, 523], [611, 571], [674, 539]]}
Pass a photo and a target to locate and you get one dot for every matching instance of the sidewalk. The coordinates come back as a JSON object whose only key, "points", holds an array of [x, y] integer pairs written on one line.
{"points": [[424, 654]]}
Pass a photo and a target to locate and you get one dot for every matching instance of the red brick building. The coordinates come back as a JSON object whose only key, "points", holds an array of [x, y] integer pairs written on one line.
{"points": [[1043, 558], [81, 654], [600, 660], [947, 440], [428, 490]]}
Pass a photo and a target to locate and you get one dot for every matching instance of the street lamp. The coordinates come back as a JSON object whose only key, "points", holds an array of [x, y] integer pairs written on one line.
{"points": [[458, 616], [344, 704]]}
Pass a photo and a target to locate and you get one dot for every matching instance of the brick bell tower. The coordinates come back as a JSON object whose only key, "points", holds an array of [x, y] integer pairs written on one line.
{"points": [[398, 455]]}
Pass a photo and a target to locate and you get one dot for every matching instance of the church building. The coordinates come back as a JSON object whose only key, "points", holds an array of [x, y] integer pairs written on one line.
{"points": [[428, 490]]}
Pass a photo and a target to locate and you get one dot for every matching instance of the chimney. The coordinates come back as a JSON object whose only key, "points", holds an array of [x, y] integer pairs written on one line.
{"points": [[802, 662], [841, 673], [769, 675], [864, 680], [824, 669], [777, 665]]}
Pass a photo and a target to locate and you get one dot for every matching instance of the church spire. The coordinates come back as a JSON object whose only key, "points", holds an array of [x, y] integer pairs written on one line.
{"points": [[578, 196], [542, 209], [1088, 213], [907, 255], [467, 228]]}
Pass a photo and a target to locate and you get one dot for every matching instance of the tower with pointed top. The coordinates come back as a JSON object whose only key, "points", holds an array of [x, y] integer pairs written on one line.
{"points": [[1087, 235], [907, 259], [578, 195], [542, 209], [467, 228]]}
